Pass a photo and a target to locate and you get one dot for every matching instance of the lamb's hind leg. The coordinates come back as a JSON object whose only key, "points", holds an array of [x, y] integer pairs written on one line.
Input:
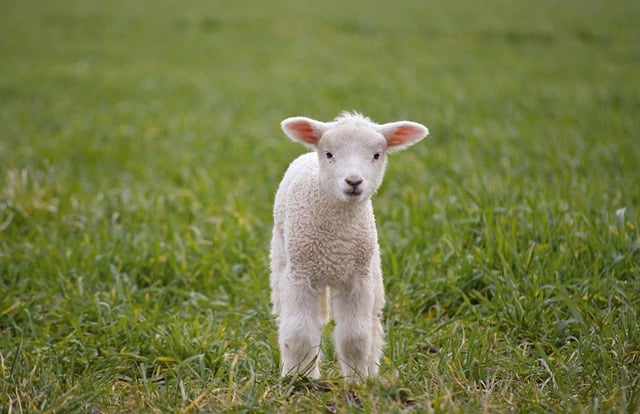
{"points": [[377, 336], [278, 259]]}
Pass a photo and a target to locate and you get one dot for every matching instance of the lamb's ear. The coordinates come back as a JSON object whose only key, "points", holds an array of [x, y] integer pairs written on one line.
{"points": [[304, 130], [402, 134]]}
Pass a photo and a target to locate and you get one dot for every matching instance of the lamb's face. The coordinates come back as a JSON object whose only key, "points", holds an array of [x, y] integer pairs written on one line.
{"points": [[352, 150], [352, 162]]}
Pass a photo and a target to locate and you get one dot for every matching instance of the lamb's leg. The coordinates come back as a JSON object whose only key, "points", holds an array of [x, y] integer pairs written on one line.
{"points": [[377, 337], [353, 330], [278, 259], [300, 326], [325, 306]]}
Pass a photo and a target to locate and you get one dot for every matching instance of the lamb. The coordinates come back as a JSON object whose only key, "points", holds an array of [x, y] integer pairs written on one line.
{"points": [[324, 247]]}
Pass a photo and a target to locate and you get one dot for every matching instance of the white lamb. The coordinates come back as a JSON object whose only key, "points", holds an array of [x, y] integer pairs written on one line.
{"points": [[325, 237]]}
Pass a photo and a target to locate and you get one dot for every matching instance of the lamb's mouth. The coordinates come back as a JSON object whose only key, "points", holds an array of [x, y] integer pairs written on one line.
{"points": [[353, 193]]}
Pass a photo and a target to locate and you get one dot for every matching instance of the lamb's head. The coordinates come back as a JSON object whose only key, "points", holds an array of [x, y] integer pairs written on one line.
{"points": [[352, 150]]}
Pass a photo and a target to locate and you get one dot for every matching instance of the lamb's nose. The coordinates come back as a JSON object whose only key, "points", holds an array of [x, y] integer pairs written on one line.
{"points": [[354, 182]]}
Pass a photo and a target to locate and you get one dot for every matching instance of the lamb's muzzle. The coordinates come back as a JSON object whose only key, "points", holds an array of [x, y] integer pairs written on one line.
{"points": [[353, 181]]}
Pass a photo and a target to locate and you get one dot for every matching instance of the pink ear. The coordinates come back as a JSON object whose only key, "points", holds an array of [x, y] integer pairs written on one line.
{"points": [[304, 130], [400, 135]]}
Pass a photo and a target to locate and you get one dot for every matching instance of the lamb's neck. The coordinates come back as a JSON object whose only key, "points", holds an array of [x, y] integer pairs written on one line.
{"points": [[341, 208]]}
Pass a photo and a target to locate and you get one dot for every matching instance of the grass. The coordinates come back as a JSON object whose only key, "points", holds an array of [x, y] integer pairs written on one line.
{"points": [[139, 155]]}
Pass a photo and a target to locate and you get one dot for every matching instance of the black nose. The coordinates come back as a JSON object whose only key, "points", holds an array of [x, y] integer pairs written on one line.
{"points": [[353, 182]]}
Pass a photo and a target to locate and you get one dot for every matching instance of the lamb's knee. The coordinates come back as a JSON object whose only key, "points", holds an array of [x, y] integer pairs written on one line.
{"points": [[352, 345], [275, 302], [294, 336]]}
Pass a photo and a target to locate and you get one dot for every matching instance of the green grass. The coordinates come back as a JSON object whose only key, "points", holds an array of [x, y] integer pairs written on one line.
{"points": [[140, 151]]}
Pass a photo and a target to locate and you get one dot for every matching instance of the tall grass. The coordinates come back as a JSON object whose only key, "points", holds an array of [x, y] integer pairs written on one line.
{"points": [[139, 155]]}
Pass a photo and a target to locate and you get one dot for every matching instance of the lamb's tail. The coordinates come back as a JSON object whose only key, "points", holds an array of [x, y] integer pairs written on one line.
{"points": [[325, 306]]}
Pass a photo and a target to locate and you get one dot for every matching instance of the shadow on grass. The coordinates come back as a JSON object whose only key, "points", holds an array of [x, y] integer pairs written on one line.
{"points": [[338, 393]]}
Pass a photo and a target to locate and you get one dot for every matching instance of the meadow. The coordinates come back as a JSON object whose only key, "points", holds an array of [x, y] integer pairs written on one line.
{"points": [[140, 151]]}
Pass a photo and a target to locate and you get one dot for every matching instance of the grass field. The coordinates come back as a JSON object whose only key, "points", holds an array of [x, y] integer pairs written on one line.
{"points": [[140, 151]]}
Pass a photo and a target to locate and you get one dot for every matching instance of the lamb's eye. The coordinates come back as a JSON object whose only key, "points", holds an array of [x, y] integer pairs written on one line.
{"points": [[376, 156], [329, 155]]}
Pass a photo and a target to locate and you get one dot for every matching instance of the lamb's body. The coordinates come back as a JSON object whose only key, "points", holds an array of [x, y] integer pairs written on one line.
{"points": [[325, 239], [330, 243], [314, 249]]}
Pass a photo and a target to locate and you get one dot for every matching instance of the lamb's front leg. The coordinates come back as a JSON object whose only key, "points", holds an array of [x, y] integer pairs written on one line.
{"points": [[300, 328], [354, 330]]}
